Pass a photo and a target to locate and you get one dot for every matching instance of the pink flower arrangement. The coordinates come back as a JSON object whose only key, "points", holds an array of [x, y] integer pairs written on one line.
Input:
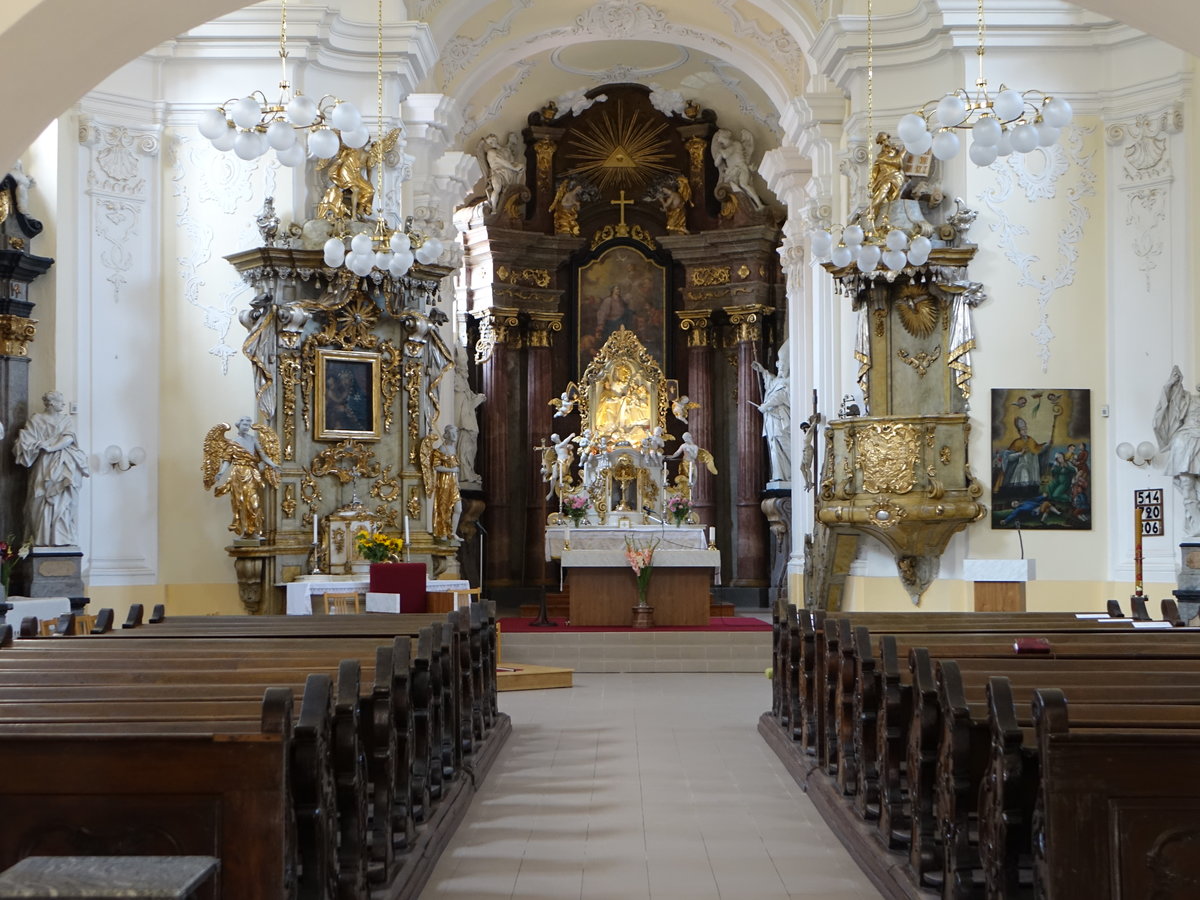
{"points": [[575, 506], [678, 509], [641, 560]]}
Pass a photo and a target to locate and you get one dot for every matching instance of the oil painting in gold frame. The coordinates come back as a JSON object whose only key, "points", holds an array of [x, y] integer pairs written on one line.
{"points": [[349, 400]]}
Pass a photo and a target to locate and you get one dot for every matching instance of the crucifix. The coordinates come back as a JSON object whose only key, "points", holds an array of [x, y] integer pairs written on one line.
{"points": [[622, 228]]}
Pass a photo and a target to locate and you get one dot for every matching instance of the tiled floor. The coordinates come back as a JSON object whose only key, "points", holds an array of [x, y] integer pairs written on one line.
{"points": [[643, 786]]}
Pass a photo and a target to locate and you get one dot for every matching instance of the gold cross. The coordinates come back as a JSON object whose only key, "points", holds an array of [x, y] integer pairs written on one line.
{"points": [[622, 228]]}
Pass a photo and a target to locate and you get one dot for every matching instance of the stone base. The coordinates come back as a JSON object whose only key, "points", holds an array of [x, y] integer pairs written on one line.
{"points": [[1189, 566], [1189, 604], [49, 572]]}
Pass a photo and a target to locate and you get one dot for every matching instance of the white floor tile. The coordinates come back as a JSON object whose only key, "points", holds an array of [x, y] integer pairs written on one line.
{"points": [[643, 785]]}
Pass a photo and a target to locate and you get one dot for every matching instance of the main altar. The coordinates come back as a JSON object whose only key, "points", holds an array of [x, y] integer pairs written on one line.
{"points": [[615, 487]]}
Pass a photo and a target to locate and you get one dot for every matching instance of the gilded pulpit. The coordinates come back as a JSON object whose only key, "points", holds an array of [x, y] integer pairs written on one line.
{"points": [[901, 474]]}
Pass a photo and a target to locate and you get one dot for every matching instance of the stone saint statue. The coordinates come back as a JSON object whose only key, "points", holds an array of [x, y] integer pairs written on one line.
{"points": [[1177, 428], [440, 471], [466, 409], [776, 409], [48, 446], [239, 466]]}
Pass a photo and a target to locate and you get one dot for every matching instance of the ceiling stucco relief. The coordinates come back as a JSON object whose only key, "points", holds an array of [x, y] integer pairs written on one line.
{"points": [[594, 60], [472, 121], [460, 51], [722, 73], [780, 45]]}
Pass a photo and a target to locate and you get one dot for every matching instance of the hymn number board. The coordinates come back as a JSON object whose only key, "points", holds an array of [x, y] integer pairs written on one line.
{"points": [[1150, 502]]}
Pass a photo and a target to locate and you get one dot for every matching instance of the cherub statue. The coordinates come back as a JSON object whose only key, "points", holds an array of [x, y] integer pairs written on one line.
{"points": [[690, 456], [565, 402], [732, 156], [238, 466], [680, 407], [350, 194], [503, 166]]}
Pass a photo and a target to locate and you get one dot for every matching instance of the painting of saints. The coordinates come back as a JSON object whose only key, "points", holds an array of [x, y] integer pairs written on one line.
{"points": [[1040, 473], [621, 289]]}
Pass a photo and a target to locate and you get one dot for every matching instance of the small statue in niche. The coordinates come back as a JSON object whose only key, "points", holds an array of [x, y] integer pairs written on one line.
{"points": [[440, 473], [48, 447], [732, 157], [503, 166], [239, 466]]}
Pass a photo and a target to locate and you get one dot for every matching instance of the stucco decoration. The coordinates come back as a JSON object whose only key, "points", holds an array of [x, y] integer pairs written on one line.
{"points": [[629, 19], [116, 225], [473, 121], [1146, 145], [460, 51], [776, 43], [216, 195], [1146, 214], [722, 76], [1041, 175], [117, 154]]}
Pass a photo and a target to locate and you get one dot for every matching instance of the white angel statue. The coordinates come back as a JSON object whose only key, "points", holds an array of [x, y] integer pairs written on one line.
{"points": [[732, 156], [503, 166]]}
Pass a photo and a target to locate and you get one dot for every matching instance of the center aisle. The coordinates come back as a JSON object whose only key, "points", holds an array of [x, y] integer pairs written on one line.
{"points": [[643, 786]]}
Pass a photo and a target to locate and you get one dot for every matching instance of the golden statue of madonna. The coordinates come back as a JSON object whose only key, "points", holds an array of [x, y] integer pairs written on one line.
{"points": [[239, 466]]}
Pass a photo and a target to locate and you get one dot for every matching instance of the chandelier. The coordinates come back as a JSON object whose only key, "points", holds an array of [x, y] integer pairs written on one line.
{"points": [[383, 249], [878, 242], [294, 126], [1011, 120]]}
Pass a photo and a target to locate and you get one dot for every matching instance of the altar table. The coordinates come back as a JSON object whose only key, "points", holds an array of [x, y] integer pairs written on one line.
{"points": [[610, 537], [604, 589], [300, 593]]}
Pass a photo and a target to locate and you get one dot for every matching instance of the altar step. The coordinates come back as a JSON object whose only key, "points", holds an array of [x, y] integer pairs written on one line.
{"points": [[649, 651], [558, 606]]}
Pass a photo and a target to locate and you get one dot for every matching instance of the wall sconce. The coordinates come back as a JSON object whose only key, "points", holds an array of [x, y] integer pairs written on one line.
{"points": [[116, 458], [1142, 455]]}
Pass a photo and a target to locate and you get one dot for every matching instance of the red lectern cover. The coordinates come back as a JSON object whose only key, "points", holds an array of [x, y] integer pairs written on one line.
{"points": [[405, 579]]}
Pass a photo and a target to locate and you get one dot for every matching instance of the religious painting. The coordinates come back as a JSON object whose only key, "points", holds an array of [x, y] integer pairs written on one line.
{"points": [[348, 396], [621, 288], [1041, 459]]}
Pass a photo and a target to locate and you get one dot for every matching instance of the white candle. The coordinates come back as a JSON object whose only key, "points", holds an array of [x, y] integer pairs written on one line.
{"points": [[712, 534], [406, 531], [315, 519]]}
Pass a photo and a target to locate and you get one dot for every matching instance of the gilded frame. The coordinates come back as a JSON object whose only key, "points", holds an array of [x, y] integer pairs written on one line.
{"points": [[349, 396]]}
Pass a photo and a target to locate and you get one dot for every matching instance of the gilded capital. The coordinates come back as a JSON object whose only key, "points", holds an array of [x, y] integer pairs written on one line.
{"points": [[541, 327], [497, 325], [16, 333], [697, 324], [747, 321]]}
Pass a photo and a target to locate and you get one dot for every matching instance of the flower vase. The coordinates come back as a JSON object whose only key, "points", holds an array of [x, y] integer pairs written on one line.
{"points": [[679, 520], [643, 612]]}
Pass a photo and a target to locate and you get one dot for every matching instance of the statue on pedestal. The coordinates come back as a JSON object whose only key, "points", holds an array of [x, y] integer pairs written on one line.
{"points": [[48, 446], [466, 404], [239, 466], [440, 473], [1177, 428], [776, 409], [503, 166]]}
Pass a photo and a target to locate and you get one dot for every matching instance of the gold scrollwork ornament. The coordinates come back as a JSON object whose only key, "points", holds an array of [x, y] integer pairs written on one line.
{"points": [[887, 455]]}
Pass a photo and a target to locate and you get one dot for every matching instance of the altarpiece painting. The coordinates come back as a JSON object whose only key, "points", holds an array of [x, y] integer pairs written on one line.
{"points": [[1041, 447], [621, 288]]}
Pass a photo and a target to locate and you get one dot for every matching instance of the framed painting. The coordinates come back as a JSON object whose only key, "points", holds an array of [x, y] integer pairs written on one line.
{"points": [[621, 288], [1041, 466], [349, 402]]}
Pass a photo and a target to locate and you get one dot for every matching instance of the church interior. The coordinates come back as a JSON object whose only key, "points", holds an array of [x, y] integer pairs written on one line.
{"points": [[860, 319]]}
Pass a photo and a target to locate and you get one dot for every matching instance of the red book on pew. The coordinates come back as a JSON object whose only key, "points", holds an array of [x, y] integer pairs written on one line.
{"points": [[1030, 645]]}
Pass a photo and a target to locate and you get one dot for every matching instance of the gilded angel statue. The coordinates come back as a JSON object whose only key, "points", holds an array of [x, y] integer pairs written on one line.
{"points": [[350, 194], [238, 466]]}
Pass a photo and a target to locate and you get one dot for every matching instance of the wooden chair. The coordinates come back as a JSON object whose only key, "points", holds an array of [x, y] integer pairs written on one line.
{"points": [[342, 604]]}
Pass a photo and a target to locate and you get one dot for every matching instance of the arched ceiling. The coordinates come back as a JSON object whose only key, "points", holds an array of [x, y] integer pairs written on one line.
{"points": [[743, 57]]}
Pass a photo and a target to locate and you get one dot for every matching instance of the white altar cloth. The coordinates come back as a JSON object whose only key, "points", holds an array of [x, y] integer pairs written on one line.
{"points": [[608, 537], [300, 593], [602, 559]]}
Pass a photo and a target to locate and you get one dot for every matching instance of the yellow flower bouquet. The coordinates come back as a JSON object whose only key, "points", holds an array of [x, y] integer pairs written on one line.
{"points": [[375, 547]]}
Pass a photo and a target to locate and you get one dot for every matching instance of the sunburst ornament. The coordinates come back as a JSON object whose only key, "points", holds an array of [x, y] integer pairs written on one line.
{"points": [[620, 153], [918, 311]]}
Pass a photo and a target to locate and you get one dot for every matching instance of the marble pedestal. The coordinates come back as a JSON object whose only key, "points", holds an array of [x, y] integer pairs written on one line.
{"points": [[49, 572], [1188, 594]]}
